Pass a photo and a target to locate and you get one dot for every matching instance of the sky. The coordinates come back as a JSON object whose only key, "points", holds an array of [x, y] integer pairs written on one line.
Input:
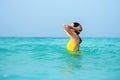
{"points": [[44, 18]]}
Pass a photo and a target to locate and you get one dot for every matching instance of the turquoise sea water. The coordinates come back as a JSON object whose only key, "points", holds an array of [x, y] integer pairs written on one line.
{"points": [[48, 59]]}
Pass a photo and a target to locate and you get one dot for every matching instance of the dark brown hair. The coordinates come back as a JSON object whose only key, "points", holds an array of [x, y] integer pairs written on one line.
{"points": [[76, 24]]}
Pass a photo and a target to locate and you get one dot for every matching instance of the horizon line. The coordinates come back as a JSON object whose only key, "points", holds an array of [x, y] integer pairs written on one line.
{"points": [[48, 37]]}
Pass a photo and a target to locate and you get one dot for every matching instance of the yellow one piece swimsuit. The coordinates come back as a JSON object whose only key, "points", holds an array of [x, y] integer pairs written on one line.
{"points": [[71, 46]]}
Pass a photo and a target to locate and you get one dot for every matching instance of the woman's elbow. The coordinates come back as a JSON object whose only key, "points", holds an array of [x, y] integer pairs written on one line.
{"points": [[65, 26]]}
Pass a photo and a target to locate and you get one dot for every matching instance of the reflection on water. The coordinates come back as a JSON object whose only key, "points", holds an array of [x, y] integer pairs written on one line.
{"points": [[73, 62]]}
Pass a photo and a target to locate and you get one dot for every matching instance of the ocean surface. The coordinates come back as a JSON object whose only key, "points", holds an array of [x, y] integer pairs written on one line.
{"points": [[48, 59]]}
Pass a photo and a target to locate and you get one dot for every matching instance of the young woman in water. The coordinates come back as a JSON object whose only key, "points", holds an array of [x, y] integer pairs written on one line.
{"points": [[73, 32]]}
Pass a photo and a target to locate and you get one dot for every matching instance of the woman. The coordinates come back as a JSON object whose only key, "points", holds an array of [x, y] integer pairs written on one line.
{"points": [[73, 32]]}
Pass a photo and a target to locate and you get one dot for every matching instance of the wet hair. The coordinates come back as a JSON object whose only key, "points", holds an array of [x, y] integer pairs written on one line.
{"points": [[76, 24]]}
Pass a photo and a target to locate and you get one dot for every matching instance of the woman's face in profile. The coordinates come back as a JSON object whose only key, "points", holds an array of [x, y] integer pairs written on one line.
{"points": [[78, 29]]}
